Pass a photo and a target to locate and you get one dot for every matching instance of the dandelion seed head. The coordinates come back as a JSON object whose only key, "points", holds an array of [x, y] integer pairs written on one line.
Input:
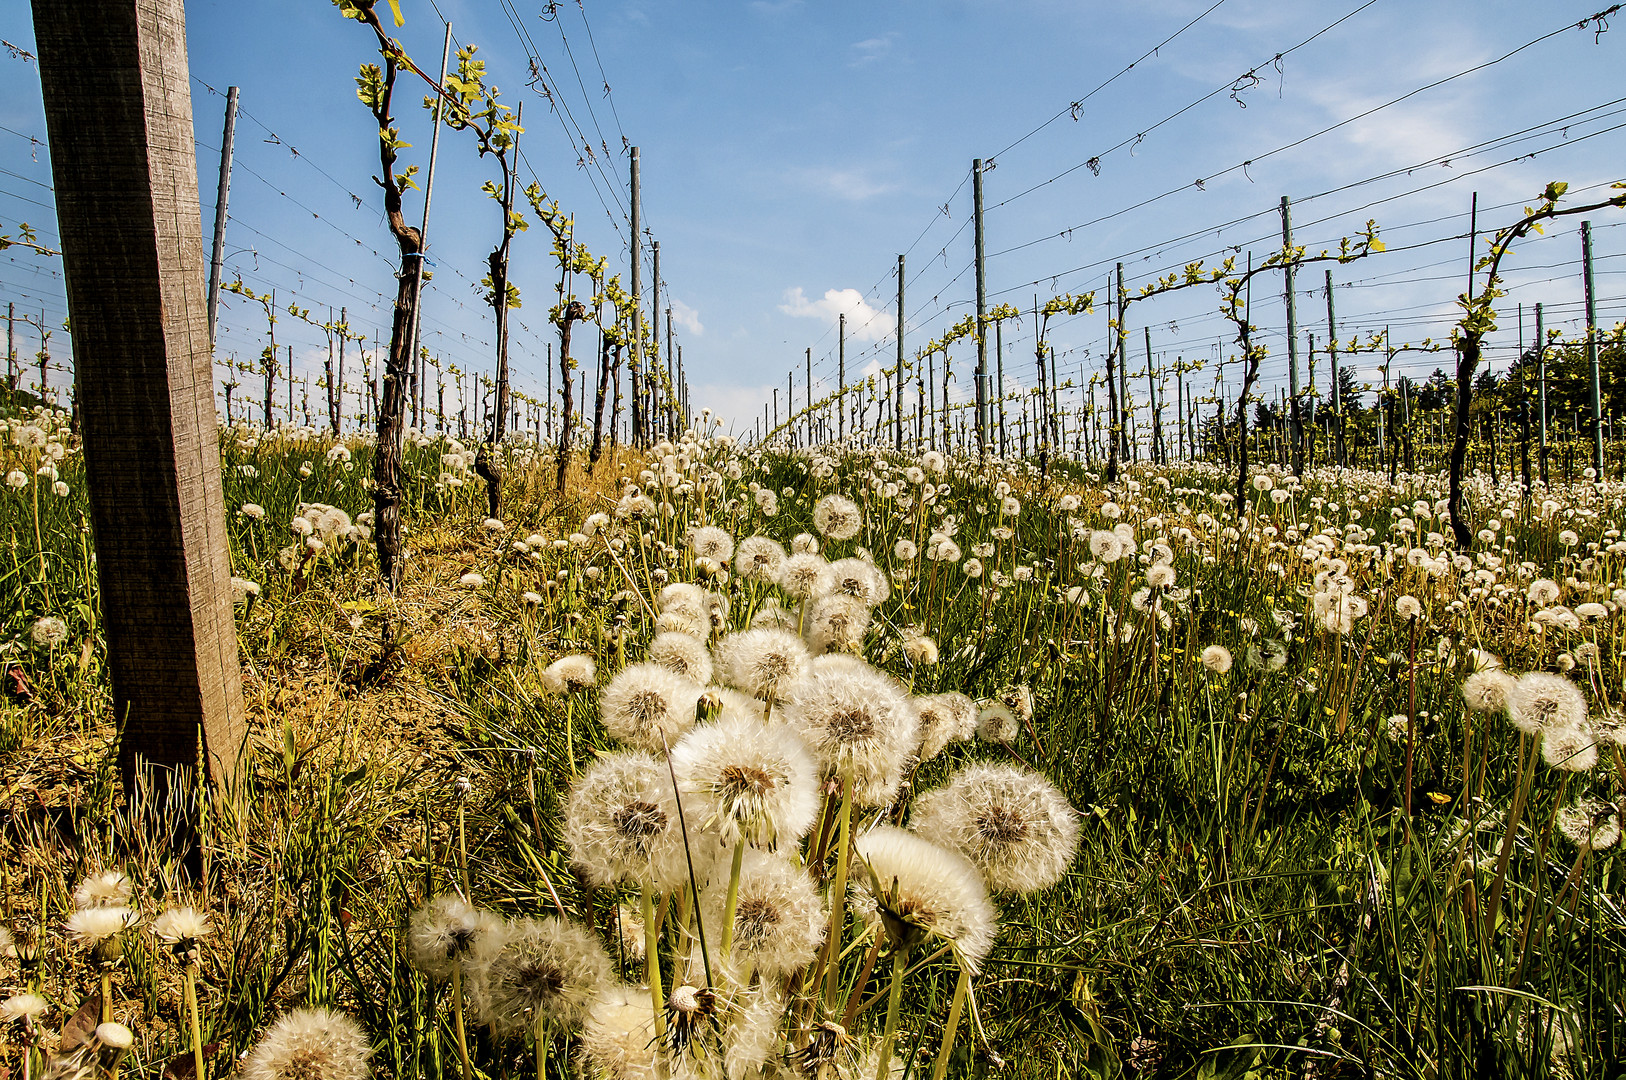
{"points": [[1216, 658], [1590, 824], [1017, 829], [442, 934], [618, 1036], [779, 918], [621, 823], [569, 674], [110, 888], [309, 1044], [90, 926], [837, 517], [799, 574], [837, 621], [944, 718], [925, 891], [540, 966], [682, 654], [747, 780], [852, 718], [23, 1007], [649, 707], [1571, 749], [1539, 700], [761, 660], [855, 578], [997, 722], [48, 632], [710, 542], [759, 559]]}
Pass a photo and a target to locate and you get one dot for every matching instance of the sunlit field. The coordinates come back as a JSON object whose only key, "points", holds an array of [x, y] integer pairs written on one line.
{"points": [[741, 762]]}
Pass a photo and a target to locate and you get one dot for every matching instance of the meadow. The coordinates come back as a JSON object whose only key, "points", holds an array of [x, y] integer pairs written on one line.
{"points": [[750, 761]]}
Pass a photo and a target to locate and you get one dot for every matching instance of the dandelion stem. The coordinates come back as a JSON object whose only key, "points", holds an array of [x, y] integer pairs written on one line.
{"points": [[107, 995], [940, 1070], [731, 904], [540, 1030], [652, 958], [838, 893], [1493, 902], [192, 1020], [900, 963], [457, 1022]]}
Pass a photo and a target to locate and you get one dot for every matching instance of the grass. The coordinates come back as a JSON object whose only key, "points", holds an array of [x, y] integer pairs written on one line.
{"points": [[1250, 896]]}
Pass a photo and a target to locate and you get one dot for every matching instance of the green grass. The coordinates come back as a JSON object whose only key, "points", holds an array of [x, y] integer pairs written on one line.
{"points": [[1249, 898]]}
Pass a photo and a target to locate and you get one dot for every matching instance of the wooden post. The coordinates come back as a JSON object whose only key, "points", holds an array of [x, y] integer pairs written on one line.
{"points": [[118, 111]]}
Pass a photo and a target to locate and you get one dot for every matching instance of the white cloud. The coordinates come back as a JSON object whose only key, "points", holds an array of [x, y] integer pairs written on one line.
{"points": [[870, 50], [864, 322], [740, 407], [854, 185], [687, 317]]}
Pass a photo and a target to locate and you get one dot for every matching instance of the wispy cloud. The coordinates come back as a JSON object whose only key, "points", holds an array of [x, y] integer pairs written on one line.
{"points": [[853, 185], [687, 317], [864, 322], [773, 7], [870, 50]]}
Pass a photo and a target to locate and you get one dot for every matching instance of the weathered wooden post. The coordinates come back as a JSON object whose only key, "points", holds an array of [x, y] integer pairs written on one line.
{"points": [[118, 110]]}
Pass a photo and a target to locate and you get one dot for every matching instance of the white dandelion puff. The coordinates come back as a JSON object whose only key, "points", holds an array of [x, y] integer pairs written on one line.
{"points": [[309, 1044], [921, 891], [649, 707], [1015, 827]]}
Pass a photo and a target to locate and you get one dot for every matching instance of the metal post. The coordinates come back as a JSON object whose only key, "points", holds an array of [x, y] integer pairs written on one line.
{"points": [[841, 378], [982, 312], [897, 414], [226, 141], [1292, 340], [1592, 350], [637, 315], [1541, 391], [999, 380], [1332, 357], [810, 395]]}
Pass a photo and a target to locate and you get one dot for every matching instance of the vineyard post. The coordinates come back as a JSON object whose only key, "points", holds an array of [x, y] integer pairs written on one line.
{"points": [[666, 383], [637, 316], [1292, 341], [11, 344], [1541, 395], [655, 309], [417, 391], [227, 138], [999, 376], [841, 377], [897, 412], [1151, 397], [982, 304], [269, 357], [1180, 406], [1337, 386], [1592, 351], [338, 393], [124, 170], [809, 393]]}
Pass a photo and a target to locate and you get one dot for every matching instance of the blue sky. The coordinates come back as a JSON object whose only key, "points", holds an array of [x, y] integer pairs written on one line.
{"points": [[791, 150]]}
